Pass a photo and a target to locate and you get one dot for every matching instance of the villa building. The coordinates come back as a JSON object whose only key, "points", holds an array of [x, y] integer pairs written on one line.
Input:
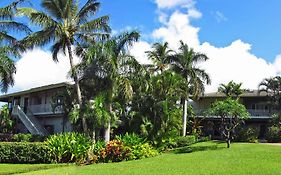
{"points": [[33, 110], [256, 103]]}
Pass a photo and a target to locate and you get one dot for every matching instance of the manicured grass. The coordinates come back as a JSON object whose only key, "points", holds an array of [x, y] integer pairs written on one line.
{"points": [[22, 168], [206, 159]]}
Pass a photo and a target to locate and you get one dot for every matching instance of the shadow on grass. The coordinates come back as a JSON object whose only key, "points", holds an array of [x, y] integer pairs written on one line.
{"points": [[196, 148]]}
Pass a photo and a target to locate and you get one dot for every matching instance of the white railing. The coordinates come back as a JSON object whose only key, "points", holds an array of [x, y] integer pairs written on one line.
{"points": [[44, 109]]}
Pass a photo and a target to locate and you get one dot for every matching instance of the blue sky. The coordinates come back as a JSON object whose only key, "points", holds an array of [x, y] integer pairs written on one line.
{"points": [[241, 38], [255, 22]]}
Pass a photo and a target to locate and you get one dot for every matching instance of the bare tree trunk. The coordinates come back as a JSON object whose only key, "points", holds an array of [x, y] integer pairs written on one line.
{"points": [[94, 136], [77, 86], [107, 129], [184, 117]]}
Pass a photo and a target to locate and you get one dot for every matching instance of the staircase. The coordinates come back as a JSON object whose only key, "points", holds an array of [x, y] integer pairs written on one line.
{"points": [[30, 122]]}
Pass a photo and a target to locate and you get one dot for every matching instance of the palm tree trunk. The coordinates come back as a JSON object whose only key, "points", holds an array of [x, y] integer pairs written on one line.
{"points": [[184, 117], [77, 86], [107, 129]]}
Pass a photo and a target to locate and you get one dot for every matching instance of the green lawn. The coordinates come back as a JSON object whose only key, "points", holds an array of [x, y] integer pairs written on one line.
{"points": [[21, 168], [240, 159]]}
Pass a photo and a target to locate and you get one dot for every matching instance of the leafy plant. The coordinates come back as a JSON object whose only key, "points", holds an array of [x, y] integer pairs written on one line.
{"points": [[130, 139], [68, 147], [247, 134], [114, 151]]}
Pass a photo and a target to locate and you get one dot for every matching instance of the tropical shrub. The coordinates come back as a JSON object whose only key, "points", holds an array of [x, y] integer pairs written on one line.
{"points": [[247, 134], [130, 139], [68, 147], [11, 152], [273, 134], [144, 150], [185, 141], [114, 151]]}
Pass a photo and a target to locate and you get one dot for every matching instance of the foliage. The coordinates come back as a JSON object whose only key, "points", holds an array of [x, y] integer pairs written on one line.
{"points": [[231, 89], [68, 147], [21, 137], [114, 151], [231, 113], [176, 142], [9, 45], [6, 123], [144, 150], [246, 134], [273, 134], [11, 152], [272, 86], [130, 139]]}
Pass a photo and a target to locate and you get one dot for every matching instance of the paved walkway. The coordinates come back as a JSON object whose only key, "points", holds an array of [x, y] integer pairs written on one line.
{"points": [[275, 144]]}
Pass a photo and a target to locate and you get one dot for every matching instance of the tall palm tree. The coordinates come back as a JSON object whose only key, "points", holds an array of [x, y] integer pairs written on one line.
{"points": [[185, 63], [9, 46], [231, 89], [111, 62], [160, 55], [65, 25]]}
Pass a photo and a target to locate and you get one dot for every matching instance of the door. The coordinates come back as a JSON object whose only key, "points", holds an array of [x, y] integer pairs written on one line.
{"points": [[25, 104]]}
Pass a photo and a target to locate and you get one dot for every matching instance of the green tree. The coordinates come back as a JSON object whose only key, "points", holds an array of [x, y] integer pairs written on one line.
{"points": [[65, 25], [160, 55], [9, 45], [231, 89], [231, 114], [6, 123], [111, 63], [185, 63]]}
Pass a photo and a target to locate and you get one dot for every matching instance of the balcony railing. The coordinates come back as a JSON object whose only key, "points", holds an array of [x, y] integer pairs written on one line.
{"points": [[254, 113], [44, 109]]}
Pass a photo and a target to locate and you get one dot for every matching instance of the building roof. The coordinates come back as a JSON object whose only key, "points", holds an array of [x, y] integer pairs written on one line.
{"points": [[5, 97], [248, 93]]}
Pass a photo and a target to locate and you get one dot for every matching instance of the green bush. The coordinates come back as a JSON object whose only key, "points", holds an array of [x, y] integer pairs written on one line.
{"points": [[144, 150], [185, 141], [11, 152], [130, 139], [68, 147], [273, 134], [247, 134]]}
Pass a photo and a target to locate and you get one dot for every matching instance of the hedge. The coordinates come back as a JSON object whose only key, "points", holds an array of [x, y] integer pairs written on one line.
{"points": [[12, 152]]}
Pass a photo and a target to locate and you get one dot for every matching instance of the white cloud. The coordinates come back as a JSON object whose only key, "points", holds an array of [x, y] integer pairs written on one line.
{"points": [[162, 4], [138, 51], [233, 62], [178, 28], [36, 68]]}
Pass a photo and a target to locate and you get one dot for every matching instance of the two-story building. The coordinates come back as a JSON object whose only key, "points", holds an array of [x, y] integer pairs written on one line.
{"points": [[34, 112], [257, 104]]}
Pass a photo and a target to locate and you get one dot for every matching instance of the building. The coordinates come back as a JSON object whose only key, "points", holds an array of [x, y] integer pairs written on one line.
{"points": [[34, 112], [257, 104]]}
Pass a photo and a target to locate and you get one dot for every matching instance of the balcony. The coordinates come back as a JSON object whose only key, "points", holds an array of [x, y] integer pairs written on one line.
{"points": [[44, 109]]}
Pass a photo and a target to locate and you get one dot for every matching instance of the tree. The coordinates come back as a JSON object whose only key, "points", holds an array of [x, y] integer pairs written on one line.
{"points": [[160, 55], [111, 63], [65, 25], [6, 123], [9, 46], [231, 89], [185, 64], [231, 114], [272, 86]]}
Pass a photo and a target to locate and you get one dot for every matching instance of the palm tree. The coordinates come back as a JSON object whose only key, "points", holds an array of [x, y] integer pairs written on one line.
{"points": [[231, 89], [9, 44], [65, 25], [272, 86], [160, 55], [109, 61], [185, 64]]}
